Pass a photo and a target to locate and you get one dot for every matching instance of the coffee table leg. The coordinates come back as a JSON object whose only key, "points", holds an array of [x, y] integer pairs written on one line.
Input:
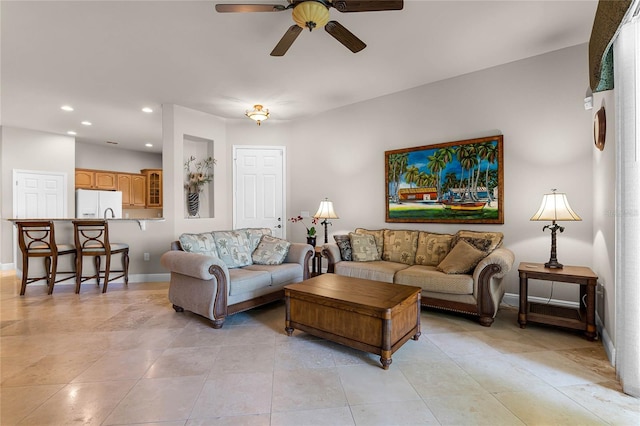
{"points": [[386, 362], [287, 315]]}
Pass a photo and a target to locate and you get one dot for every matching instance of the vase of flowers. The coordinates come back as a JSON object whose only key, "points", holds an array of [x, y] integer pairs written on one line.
{"points": [[311, 230], [198, 173]]}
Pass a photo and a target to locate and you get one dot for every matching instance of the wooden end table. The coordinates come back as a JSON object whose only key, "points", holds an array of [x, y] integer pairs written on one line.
{"points": [[583, 318]]}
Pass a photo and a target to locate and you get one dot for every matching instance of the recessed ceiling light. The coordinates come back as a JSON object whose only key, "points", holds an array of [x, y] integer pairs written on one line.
{"points": [[147, 110], [71, 132], [86, 123], [148, 145], [112, 142], [66, 108]]}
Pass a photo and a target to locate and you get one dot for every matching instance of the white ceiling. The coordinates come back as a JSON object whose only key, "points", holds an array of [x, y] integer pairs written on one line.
{"points": [[108, 59]]}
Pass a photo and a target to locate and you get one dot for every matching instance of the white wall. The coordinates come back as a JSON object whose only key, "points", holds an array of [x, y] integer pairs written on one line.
{"points": [[536, 103]]}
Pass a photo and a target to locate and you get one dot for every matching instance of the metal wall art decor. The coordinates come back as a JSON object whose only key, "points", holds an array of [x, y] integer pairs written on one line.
{"points": [[453, 182]]}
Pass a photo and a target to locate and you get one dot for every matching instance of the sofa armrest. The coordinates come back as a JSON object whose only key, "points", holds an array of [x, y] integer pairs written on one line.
{"points": [[300, 253], [502, 257], [193, 264], [488, 287], [331, 252]]}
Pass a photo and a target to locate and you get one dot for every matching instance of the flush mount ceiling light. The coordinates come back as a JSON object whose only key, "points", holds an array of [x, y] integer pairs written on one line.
{"points": [[259, 114]]}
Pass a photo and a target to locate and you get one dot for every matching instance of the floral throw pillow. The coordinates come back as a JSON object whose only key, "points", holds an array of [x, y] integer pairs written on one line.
{"points": [[271, 251], [255, 235], [485, 241], [400, 246], [234, 248], [432, 248], [363, 247], [377, 234], [344, 244], [199, 243]]}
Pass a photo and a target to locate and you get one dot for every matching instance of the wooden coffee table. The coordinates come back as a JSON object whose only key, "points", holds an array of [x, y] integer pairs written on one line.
{"points": [[371, 316]]}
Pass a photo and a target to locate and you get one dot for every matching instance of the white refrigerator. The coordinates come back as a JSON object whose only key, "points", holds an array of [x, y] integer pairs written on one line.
{"points": [[91, 204]]}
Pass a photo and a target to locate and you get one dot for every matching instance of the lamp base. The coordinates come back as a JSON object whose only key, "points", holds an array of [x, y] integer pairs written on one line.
{"points": [[553, 264]]}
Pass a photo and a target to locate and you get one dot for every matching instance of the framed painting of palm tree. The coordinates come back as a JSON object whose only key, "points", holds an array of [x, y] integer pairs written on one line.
{"points": [[453, 182]]}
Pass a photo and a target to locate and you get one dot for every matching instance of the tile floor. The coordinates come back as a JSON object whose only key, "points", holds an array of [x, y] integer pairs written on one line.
{"points": [[125, 357]]}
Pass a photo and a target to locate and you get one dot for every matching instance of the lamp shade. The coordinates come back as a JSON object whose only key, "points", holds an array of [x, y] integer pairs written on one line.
{"points": [[325, 211], [555, 207]]}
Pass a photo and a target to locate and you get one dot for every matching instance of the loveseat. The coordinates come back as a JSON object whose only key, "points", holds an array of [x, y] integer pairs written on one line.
{"points": [[460, 272], [219, 273]]}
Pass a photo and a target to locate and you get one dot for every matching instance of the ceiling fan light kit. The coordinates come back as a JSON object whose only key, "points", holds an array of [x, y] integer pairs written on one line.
{"points": [[258, 113], [315, 13]]}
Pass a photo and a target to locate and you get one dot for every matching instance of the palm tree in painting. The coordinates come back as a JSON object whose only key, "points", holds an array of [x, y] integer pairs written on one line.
{"points": [[436, 164], [450, 181], [397, 167], [411, 175], [423, 180], [490, 154], [466, 155]]}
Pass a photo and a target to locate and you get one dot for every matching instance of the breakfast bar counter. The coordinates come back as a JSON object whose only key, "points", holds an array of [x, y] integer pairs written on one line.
{"points": [[142, 222]]}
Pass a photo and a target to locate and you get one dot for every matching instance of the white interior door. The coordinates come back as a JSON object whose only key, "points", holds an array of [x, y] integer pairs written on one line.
{"points": [[258, 182], [39, 194]]}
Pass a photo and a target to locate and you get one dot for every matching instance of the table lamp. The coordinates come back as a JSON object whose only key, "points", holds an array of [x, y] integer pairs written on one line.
{"points": [[554, 207], [325, 211]]}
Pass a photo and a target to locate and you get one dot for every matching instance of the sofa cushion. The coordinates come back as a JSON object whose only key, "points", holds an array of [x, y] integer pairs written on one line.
{"points": [[363, 247], [484, 241], [270, 251], [400, 246], [378, 270], [234, 248], [377, 234], [344, 244], [461, 259], [432, 248], [203, 243], [255, 235], [283, 274], [242, 280], [430, 279]]}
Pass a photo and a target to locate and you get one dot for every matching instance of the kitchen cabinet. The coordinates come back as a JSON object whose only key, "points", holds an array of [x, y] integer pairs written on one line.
{"points": [[133, 188], [95, 179], [153, 187]]}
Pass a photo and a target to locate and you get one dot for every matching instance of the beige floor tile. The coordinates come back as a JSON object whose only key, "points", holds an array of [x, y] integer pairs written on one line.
{"points": [[297, 353], [470, 409], [240, 359], [607, 403], [158, 400], [83, 403], [394, 413], [200, 334], [234, 394], [250, 420], [176, 362], [440, 378], [554, 368], [461, 344], [340, 416], [120, 365], [307, 389], [18, 402], [547, 406], [53, 369], [145, 338], [364, 384], [498, 374]]}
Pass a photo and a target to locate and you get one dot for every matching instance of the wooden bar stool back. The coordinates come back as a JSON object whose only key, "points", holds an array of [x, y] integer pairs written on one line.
{"points": [[92, 239], [37, 239]]}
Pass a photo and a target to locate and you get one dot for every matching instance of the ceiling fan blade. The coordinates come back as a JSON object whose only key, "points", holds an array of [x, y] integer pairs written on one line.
{"points": [[367, 6], [286, 41], [344, 36], [232, 8]]}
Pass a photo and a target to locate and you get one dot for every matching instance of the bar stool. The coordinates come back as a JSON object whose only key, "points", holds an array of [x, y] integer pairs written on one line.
{"points": [[92, 239], [37, 239]]}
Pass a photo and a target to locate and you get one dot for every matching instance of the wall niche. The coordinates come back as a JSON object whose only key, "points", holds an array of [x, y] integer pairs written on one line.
{"points": [[198, 175]]}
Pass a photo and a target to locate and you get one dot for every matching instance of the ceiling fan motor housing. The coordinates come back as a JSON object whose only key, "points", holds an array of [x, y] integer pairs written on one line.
{"points": [[310, 14]]}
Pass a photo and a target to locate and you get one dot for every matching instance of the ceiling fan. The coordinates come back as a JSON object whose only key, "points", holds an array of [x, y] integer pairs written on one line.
{"points": [[315, 13]]}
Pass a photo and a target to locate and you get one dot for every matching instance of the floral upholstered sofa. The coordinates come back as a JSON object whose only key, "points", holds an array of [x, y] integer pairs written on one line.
{"points": [[460, 272], [219, 273]]}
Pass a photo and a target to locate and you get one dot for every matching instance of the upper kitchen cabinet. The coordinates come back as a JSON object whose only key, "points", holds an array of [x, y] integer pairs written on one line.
{"points": [[95, 179], [133, 188], [154, 187]]}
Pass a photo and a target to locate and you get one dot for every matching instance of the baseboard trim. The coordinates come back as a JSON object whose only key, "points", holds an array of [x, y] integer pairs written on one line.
{"points": [[7, 266], [513, 299], [609, 348]]}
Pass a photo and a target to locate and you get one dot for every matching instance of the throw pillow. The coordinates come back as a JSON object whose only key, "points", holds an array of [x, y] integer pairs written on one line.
{"points": [[344, 244], [432, 248], [485, 241], [255, 234], [270, 251], [461, 259], [400, 246], [377, 234], [234, 248], [199, 243], [363, 247]]}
